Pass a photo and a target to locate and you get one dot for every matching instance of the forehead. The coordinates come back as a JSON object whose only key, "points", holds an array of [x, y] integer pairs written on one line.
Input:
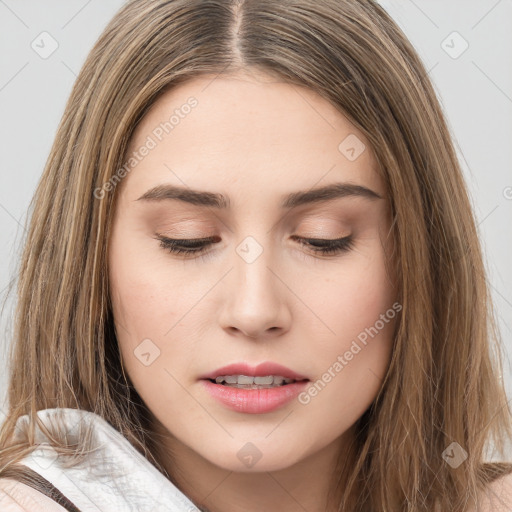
{"points": [[248, 131]]}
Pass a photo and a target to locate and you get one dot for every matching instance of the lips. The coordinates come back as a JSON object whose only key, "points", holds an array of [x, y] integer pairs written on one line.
{"points": [[253, 398], [261, 370]]}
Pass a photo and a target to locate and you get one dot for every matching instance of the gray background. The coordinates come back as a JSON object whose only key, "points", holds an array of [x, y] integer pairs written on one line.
{"points": [[474, 86]]}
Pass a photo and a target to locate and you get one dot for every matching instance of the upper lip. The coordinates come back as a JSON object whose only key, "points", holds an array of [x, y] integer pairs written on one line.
{"points": [[261, 370]]}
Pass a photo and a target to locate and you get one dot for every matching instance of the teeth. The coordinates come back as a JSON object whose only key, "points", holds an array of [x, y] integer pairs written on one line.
{"points": [[246, 380], [269, 379]]}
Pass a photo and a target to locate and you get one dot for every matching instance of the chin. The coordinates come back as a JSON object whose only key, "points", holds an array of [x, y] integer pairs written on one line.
{"points": [[257, 457]]}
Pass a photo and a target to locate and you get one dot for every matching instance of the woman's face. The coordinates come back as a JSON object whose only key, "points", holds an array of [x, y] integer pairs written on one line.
{"points": [[240, 159]]}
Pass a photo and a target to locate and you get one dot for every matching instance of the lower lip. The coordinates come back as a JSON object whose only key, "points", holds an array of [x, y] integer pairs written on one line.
{"points": [[254, 401]]}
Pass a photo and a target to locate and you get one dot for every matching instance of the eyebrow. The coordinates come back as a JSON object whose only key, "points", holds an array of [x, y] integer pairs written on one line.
{"points": [[292, 200]]}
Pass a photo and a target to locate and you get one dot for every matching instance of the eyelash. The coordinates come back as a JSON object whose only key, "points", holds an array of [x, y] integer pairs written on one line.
{"points": [[198, 245]]}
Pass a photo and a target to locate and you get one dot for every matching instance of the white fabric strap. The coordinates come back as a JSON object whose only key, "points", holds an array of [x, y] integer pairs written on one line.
{"points": [[115, 476]]}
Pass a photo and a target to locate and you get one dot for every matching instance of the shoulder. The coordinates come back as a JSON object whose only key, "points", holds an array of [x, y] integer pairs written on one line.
{"points": [[18, 497], [498, 496]]}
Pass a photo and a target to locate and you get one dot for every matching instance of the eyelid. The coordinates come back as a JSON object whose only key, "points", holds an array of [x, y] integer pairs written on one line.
{"points": [[326, 235], [317, 246]]}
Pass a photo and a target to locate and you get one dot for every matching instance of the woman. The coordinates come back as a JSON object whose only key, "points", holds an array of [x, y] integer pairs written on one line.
{"points": [[166, 355]]}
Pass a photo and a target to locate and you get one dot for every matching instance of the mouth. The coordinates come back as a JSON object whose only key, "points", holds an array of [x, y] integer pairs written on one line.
{"points": [[245, 376], [254, 389], [251, 382]]}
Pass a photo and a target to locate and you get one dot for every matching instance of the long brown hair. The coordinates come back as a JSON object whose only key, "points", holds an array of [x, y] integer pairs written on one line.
{"points": [[442, 385]]}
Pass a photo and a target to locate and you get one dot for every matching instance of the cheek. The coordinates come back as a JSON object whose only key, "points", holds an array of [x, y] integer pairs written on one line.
{"points": [[141, 285], [144, 313], [134, 289], [151, 300], [353, 341], [357, 291], [140, 307]]}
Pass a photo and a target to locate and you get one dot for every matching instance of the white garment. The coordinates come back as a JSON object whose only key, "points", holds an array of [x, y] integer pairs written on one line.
{"points": [[115, 476]]}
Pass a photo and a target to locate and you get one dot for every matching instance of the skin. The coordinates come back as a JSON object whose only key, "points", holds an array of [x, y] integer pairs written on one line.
{"points": [[252, 139]]}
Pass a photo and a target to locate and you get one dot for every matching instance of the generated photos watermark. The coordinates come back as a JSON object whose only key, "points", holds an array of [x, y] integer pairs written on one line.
{"points": [[151, 142], [343, 360]]}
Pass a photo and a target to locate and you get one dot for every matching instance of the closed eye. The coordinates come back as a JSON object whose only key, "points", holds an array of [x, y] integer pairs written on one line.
{"points": [[326, 246], [199, 245]]}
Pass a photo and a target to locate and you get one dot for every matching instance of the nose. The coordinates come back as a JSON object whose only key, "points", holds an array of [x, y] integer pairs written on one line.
{"points": [[256, 302]]}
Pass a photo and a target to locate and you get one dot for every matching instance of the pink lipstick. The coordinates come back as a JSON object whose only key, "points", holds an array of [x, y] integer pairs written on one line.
{"points": [[254, 389]]}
